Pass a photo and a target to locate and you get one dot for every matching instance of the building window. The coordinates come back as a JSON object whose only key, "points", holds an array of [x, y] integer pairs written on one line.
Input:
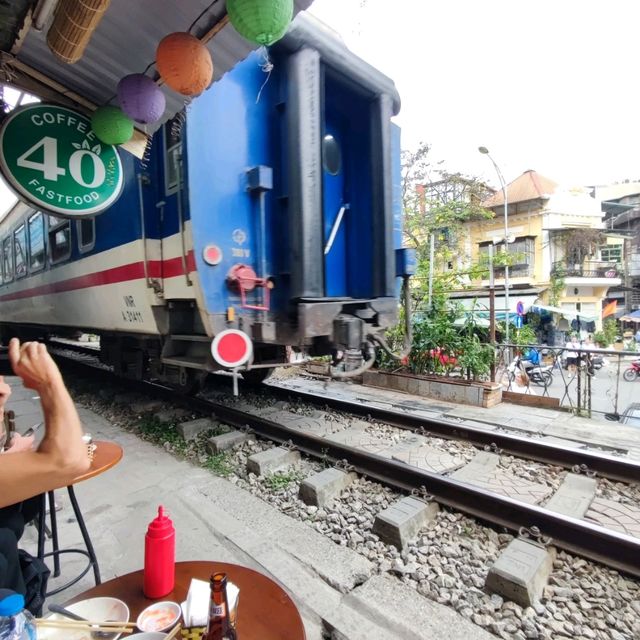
{"points": [[36, 242], [7, 259], [59, 239], [522, 252], [86, 234], [611, 253], [20, 250], [172, 151]]}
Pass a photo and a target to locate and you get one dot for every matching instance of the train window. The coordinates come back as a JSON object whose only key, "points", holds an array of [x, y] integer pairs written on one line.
{"points": [[7, 259], [86, 234], [20, 250], [331, 156], [36, 242], [172, 146], [59, 239]]}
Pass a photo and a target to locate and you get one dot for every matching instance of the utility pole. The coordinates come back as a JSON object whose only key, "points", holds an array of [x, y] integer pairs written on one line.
{"points": [[432, 251], [485, 152], [492, 310]]}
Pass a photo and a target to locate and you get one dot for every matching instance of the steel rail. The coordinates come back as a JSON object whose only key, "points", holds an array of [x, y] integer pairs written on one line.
{"points": [[608, 466], [583, 538], [580, 537]]}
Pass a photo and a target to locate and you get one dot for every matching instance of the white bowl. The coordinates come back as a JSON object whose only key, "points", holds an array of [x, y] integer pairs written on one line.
{"points": [[94, 609], [148, 635], [152, 618]]}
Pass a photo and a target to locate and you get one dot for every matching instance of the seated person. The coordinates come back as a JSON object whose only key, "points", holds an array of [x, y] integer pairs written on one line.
{"points": [[26, 473], [532, 356]]}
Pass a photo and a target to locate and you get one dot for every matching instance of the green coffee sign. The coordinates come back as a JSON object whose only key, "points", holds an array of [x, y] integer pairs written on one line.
{"points": [[50, 156]]}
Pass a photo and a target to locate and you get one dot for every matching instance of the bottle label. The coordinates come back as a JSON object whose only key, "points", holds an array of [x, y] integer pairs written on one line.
{"points": [[217, 610]]}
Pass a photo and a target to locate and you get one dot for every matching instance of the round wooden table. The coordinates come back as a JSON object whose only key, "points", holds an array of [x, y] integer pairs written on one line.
{"points": [[105, 456], [265, 611]]}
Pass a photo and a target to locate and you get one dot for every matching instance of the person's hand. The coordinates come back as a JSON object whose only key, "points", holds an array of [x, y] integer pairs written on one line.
{"points": [[32, 362], [5, 392], [19, 443]]}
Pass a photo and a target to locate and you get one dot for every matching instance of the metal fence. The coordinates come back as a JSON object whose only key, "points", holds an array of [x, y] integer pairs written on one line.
{"points": [[585, 381]]}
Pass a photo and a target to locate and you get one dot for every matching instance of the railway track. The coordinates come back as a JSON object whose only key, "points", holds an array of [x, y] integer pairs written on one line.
{"points": [[579, 536], [605, 465]]}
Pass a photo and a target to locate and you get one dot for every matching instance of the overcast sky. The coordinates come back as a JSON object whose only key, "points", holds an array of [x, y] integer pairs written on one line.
{"points": [[549, 85]]}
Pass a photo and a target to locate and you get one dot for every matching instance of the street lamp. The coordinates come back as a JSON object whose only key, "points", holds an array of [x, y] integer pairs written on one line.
{"points": [[485, 152]]}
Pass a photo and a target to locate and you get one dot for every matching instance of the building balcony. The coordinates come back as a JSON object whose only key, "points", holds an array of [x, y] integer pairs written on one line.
{"points": [[590, 272]]}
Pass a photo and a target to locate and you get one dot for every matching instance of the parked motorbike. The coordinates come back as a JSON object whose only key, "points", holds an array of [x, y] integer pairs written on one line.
{"points": [[541, 375], [597, 362], [633, 372]]}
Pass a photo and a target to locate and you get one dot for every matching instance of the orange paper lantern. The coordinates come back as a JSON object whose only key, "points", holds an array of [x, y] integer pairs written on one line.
{"points": [[184, 63]]}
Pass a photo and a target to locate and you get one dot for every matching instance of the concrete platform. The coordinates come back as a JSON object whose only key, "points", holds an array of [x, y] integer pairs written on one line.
{"points": [[333, 587], [540, 421]]}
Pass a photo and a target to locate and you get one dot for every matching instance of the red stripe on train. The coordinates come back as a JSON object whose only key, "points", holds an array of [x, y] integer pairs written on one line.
{"points": [[124, 273]]}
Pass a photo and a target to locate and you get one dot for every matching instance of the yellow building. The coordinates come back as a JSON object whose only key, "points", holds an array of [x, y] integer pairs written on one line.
{"points": [[556, 242]]}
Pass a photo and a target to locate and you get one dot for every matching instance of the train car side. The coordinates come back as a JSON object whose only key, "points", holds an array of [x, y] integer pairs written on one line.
{"points": [[269, 207]]}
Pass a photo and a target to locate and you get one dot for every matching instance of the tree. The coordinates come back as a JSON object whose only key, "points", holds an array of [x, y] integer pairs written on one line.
{"points": [[438, 202], [581, 244]]}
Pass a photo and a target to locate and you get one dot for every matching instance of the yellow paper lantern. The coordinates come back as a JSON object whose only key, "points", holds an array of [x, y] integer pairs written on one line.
{"points": [[184, 63]]}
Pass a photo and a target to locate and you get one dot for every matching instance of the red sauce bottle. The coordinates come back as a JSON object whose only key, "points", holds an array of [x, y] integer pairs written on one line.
{"points": [[159, 557]]}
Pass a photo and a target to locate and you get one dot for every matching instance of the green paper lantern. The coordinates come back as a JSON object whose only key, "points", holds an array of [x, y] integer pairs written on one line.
{"points": [[111, 125], [261, 21]]}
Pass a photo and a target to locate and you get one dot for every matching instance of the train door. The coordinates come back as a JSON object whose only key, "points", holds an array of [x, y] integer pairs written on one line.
{"points": [[335, 209]]}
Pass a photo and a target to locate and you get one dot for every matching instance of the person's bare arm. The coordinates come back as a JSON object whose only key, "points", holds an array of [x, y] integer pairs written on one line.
{"points": [[61, 455]]}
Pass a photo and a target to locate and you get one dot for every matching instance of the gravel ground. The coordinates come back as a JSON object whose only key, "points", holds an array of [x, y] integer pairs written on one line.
{"points": [[449, 560]]}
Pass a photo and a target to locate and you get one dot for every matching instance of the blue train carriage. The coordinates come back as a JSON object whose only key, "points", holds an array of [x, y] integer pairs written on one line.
{"points": [[272, 208]]}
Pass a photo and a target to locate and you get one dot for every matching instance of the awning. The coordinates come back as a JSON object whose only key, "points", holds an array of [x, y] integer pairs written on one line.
{"points": [[124, 42], [562, 312], [477, 319], [481, 303]]}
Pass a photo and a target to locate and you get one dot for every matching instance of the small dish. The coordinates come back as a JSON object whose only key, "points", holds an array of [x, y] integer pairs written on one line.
{"points": [[160, 616], [100, 609], [148, 635]]}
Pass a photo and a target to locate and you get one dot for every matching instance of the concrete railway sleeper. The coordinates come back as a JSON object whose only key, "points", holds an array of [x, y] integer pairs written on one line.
{"points": [[608, 466], [609, 547], [583, 538]]}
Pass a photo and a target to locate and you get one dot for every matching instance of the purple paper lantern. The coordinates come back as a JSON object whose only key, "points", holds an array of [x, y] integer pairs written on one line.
{"points": [[140, 98]]}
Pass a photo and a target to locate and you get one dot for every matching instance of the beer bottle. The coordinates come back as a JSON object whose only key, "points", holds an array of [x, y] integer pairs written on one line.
{"points": [[218, 627]]}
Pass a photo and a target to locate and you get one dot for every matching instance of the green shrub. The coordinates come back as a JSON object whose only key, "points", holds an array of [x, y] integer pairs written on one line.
{"points": [[439, 346], [600, 338], [610, 330]]}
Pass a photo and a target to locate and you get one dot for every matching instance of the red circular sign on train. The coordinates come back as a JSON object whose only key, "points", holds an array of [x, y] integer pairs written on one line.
{"points": [[231, 348], [212, 254]]}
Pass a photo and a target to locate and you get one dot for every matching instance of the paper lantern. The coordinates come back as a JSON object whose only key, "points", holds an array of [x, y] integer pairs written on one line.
{"points": [[111, 125], [141, 98], [260, 21], [184, 63]]}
